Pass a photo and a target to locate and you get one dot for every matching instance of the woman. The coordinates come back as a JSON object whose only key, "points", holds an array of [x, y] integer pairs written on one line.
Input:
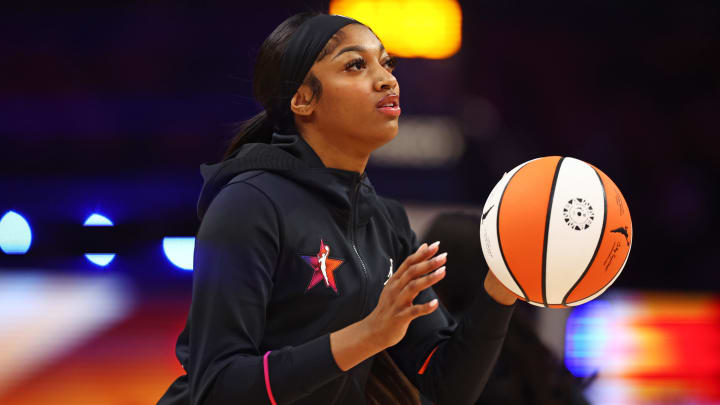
{"points": [[292, 297]]}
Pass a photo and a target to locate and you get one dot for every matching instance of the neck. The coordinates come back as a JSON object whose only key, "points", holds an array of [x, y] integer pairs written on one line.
{"points": [[336, 155]]}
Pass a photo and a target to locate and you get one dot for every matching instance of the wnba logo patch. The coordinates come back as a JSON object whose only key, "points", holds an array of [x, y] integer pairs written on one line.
{"points": [[323, 267]]}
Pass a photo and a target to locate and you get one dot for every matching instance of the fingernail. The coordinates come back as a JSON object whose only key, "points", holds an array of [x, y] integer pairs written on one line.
{"points": [[434, 245], [440, 271], [439, 258], [433, 302]]}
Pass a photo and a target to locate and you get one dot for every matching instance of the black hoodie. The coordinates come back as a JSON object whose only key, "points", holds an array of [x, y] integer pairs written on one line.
{"points": [[289, 251]]}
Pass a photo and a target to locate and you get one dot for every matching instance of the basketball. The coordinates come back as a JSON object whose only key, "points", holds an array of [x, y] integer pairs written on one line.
{"points": [[556, 231]]}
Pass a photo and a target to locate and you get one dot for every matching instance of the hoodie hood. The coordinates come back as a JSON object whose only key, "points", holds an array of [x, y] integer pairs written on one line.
{"points": [[291, 157]]}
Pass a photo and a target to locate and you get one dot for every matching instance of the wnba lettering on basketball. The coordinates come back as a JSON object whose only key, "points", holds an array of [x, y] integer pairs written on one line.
{"points": [[486, 239], [611, 256]]}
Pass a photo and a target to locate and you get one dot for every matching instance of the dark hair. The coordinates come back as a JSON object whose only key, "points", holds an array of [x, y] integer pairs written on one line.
{"points": [[386, 384], [267, 87]]}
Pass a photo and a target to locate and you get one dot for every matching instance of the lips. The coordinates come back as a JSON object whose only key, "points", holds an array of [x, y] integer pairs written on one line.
{"points": [[389, 101], [389, 105]]}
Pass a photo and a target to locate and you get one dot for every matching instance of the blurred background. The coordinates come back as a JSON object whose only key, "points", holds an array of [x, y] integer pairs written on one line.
{"points": [[106, 113]]}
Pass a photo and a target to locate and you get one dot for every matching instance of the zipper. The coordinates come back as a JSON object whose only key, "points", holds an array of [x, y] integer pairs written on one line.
{"points": [[353, 206]]}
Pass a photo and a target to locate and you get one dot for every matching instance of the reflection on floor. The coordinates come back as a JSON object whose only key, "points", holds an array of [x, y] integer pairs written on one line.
{"points": [[95, 340], [85, 340]]}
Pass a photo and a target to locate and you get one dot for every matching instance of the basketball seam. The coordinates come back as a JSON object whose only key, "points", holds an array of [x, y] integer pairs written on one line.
{"points": [[602, 288], [547, 231], [597, 248], [497, 227]]}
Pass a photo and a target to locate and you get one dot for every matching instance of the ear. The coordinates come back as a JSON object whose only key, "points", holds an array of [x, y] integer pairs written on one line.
{"points": [[303, 102]]}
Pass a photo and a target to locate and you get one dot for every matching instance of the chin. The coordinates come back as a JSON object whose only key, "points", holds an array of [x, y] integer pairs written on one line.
{"points": [[384, 135]]}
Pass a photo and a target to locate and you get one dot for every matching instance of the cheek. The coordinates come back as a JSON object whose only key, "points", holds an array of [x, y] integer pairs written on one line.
{"points": [[345, 101]]}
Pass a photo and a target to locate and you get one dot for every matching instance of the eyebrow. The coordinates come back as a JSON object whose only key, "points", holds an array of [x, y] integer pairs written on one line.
{"points": [[357, 48]]}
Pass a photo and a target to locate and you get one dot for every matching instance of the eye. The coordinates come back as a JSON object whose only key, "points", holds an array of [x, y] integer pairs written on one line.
{"points": [[356, 64], [391, 62]]}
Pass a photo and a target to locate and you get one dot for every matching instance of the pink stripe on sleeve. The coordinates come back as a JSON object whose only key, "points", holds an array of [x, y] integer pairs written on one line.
{"points": [[267, 378]]}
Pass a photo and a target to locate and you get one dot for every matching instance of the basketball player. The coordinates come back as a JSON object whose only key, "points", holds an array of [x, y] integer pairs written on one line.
{"points": [[268, 324]]}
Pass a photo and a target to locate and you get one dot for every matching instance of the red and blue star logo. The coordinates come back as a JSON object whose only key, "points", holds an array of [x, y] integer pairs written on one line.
{"points": [[323, 267]]}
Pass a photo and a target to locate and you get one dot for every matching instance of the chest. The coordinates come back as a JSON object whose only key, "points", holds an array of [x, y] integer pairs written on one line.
{"points": [[329, 274]]}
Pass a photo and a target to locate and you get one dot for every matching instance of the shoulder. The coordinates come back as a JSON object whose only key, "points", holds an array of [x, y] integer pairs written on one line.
{"points": [[240, 205], [395, 212], [397, 216]]}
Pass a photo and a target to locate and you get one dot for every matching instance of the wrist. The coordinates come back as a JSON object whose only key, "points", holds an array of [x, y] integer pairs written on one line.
{"points": [[368, 333], [497, 291], [353, 344]]}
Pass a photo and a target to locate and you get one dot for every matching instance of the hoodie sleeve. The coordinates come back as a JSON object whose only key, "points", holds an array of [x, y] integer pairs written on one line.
{"points": [[448, 361], [236, 251]]}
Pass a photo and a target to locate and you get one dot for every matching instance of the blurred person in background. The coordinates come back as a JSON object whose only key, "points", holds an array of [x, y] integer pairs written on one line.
{"points": [[527, 372], [304, 278]]}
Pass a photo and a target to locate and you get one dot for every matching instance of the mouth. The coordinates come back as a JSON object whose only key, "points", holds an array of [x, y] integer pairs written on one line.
{"points": [[390, 105]]}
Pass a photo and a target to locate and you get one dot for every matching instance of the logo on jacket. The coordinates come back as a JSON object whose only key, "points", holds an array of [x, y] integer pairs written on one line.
{"points": [[323, 267], [390, 273]]}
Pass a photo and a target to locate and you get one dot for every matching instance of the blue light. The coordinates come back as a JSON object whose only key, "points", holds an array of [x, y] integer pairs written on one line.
{"points": [[179, 251], [15, 234], [101, 259], [587, 336], [98, 220]]}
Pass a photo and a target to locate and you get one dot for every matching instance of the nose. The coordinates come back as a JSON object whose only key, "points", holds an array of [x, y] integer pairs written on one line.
{"points": [[386, 81]]}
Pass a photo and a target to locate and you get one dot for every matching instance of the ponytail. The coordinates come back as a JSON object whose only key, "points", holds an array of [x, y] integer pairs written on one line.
{"points": [[386, 384], [275, 79], [258, 129]]}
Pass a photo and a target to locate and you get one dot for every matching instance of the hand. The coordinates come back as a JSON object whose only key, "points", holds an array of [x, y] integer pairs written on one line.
{"points": [[498, 291], [389, 321]]}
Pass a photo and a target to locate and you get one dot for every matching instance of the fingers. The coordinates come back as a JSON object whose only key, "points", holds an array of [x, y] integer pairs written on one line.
{"points": [[427, 266], [423, 253], [419, 310], [414, 287], [418, 272], [422, 268]]}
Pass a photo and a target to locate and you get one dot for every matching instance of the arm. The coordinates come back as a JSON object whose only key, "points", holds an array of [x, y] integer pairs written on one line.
{"points": [[451, 362], [236, 250], [448, 361]]}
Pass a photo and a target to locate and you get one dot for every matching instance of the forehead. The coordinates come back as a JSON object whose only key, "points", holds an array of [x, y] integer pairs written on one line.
{"points": [[349, 35], [357, 34]]}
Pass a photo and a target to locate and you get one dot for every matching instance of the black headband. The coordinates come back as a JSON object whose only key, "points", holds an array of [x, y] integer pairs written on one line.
{"points": [[303, 48]]}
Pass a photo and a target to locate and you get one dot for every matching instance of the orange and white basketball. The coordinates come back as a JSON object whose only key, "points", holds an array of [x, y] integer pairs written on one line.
{"points": [[556, 231]]}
